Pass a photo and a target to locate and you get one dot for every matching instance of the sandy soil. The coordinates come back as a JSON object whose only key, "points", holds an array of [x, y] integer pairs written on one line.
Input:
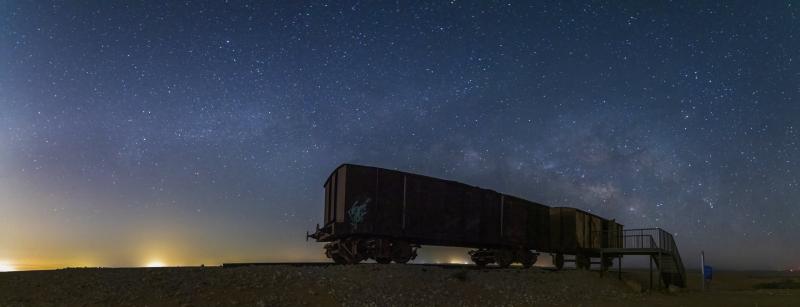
{"points": [[372, 285], [729, 288]]}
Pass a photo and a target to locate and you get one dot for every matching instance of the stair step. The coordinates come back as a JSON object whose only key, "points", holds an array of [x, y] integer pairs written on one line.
{"points": [[666, 258]]}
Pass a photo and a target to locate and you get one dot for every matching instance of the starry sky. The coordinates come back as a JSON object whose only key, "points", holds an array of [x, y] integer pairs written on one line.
{"points": [[202, 132]]}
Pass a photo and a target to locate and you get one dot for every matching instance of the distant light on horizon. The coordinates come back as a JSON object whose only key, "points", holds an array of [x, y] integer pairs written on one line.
{"points": [[155, 264], [6, 266], [457, 261]]}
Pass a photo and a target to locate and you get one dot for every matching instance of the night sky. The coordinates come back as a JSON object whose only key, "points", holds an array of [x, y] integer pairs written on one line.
{"points": [[188, 133]]}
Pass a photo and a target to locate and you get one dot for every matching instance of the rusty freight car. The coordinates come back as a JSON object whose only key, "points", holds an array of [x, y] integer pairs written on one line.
{"points": [[385, 215], [582, 234]]}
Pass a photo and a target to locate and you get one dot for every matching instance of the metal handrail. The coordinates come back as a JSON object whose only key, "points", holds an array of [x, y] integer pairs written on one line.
{"points": [[656, 238]]}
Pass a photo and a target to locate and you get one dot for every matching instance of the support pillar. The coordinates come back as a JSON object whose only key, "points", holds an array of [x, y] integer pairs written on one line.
{"points": [[651, 272], [661, 271], [602, 264]]}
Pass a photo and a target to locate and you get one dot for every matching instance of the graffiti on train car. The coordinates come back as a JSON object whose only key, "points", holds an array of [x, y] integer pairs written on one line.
{"points": [[357, 211]]}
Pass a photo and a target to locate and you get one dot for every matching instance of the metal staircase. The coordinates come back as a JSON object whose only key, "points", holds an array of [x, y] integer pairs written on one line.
{"points": [[660, 246]]}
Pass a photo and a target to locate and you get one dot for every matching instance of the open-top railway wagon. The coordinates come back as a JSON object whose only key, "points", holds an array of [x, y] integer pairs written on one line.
{"points": [[385, 215], [580, 233]]}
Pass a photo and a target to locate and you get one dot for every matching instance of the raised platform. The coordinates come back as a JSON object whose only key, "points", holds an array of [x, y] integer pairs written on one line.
{"points": [[654, 243], [632, 251]]}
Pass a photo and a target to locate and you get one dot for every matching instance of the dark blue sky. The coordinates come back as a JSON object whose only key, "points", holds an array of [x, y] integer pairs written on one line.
{"points": [[203, 132]]}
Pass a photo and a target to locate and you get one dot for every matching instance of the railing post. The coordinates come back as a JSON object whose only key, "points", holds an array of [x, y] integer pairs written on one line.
{"points": [[641, 238]]}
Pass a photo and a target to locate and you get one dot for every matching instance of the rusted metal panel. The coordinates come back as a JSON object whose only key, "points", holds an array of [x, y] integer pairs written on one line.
{"points": [[595, 231], [612, 234], [573, 229], [514, 221], [581, 231], [441, 211], [490, 217], [414, 209], [538, 226], [405, 193], [436, 220], [589, 228], [453, 211], [564, 229], [389, 203], [472, 205], [340, 185], [556, 232], [360, 204], [326, 217]]}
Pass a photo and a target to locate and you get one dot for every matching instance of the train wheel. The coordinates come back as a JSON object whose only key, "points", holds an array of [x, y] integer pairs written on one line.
{"points": [[527, 258], [608, 262], [587, 263], [583, 262], [338, 259], [503, 257], [481, 257], [558, 261], [352, 250], [382, 260], [342, 251], [402, 252]]}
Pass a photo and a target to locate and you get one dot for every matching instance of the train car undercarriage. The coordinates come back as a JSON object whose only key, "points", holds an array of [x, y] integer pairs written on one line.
{"points": [[352, 250], [503, 257]]}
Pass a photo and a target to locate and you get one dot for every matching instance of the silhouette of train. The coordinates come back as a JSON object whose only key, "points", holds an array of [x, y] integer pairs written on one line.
{"points": [[385, 215]]}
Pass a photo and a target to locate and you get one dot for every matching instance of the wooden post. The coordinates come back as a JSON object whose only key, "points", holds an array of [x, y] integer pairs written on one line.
{"points": [[619, 268]]}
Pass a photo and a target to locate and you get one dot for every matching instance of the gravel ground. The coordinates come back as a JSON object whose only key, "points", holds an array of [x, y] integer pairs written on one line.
{"points": [[281, 285]]}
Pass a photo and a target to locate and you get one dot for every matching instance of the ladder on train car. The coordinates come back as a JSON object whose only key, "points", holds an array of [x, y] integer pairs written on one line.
{"points": [[659, 245]]}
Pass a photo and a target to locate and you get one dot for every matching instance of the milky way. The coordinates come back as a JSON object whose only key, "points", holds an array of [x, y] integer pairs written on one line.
{"points": [[202, 132]]}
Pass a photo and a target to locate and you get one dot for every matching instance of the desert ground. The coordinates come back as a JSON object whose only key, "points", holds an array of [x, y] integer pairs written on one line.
{"points": [[382, 285]]}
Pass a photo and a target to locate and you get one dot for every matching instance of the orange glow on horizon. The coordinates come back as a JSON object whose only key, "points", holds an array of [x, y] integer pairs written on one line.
{"points": [[155, 264]]}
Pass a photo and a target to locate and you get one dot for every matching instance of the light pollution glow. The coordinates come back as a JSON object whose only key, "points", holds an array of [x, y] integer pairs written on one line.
{"points": [[6, 266], [50, 232], [111, 153], [155, 264]]}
